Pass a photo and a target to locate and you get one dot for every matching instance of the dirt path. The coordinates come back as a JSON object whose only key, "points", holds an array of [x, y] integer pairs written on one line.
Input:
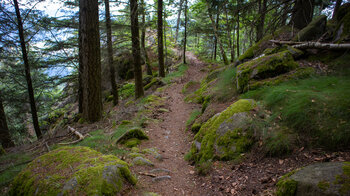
{"points": [[173, 142]]}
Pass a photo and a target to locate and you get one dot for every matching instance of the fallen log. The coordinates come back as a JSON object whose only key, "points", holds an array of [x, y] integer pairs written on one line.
{"points": [[316, 45], [75, 132]]}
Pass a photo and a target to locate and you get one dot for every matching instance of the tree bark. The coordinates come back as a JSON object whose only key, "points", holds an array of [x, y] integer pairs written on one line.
{"points": [[237, 32], [302, 13], [185, 36], [336, 8], [27, 72], [232, 50], [91, 60], [160, 38], [260, 26], [143, 39], [165, 45], [114, 90], [136, 48], [217, 28], [217, 36], [5, 138], [178, 20]]}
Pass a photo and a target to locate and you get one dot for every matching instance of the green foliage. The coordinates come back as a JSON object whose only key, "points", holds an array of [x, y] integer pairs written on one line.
{"points": [[127, 90], [314, 107], [225, 89], [277, 143], [193, 116], [181, 69]]}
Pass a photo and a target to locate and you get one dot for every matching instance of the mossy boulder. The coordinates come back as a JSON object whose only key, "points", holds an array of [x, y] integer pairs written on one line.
{"points": [[73, 171], [319, 179], [298, 73], [226, 135], [263, 68], [155, 81], [312, 31], [342, 32], [132, 137], [283, 33]]}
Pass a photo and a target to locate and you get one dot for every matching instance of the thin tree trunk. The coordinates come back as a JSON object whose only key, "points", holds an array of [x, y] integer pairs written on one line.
{"points": [[5, 138], [237, 32], [336, 8], [185, 36], [229, 36], [178, 20], [136, 49], [160, 38], [91, 60], [302, 13], [114, 90], [143, 38], [27, 72], [217, 28], [284, 13], [260, 26], [217, 37], [165, 46]]}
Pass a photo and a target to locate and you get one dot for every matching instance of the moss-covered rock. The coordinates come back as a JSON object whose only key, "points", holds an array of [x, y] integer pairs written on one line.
{"points": [[319, 179], [226, 135], [312, 31], [73, 171], [142, 161], [155, 81], [263, 68], [132, 137], [257, 49], [298, 73], [342, 32]]}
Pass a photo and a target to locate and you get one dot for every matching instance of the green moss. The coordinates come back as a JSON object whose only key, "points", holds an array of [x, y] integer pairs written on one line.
{"points": [[196, 127], [313, 30], [65, 163], [344, 180], [208, 137], [132, 142], [125, 122], [193, 116], [189, 85], [286, 187], [153, 82], [135, 149], [256, 49], [127, 90], [81, 120], [264, 67], [135, 154], [323, 185]]}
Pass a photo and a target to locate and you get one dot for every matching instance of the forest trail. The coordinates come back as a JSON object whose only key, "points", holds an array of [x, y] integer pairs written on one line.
{"points": [[170, 138]]}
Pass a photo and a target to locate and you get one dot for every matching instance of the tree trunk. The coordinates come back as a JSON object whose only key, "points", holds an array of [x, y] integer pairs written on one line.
{"points": [[143, 39], [237, 32], [229, 36], [160, 38], [178, 20], [165, 46], [91, 60], [217, 36], [114, 90], [217, 28], [261, 20], [185, 36], [136, 49], [336, 8], [27, 72], [302, 13], [284, 13], [5, 138]]}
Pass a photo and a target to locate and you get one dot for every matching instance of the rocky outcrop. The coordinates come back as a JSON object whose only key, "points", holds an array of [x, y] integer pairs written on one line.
{"points": [[319, 179], [314, 30], [226, 135], [73, 171]]}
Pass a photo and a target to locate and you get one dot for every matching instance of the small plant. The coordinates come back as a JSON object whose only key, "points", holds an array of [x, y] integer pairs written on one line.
{"points": [[193, 117], [180, 72]]}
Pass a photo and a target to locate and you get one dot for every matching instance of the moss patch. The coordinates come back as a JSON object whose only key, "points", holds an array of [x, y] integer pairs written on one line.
{"points": [[49, 173]]}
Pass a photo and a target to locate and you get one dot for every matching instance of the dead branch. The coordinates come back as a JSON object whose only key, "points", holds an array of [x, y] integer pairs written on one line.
{"points": [[75, 132], [316, 45], [147, 174]]}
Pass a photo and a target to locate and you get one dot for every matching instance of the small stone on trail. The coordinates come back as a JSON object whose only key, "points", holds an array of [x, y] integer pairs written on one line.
{"points": [[142, 161], [191, 172], [157, 170], [160, 178]]}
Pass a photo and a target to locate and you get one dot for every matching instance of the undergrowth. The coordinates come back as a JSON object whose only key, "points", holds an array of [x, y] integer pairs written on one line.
{"points": [[182, 68], [225, 89], [317, 107], [193, 117]]}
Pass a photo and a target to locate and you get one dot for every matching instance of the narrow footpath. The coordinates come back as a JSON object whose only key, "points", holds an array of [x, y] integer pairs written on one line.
{"points": [[174, 175]]}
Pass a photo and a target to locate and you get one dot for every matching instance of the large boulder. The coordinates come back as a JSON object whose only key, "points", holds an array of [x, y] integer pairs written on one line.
{"points": [[313, 31], [342, 32], [319, 179], [283, 33], [73, 171], [263, 68], [226, 135]]}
